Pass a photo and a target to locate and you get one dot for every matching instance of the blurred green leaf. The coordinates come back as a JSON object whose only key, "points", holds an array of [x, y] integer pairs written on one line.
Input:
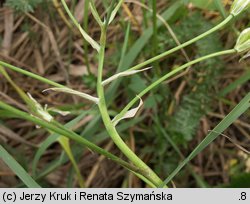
{"points": [[204, 4], [240, 181], [17, 169], [23, 5]]}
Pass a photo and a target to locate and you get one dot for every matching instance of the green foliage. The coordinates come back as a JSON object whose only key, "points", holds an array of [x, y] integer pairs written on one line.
{"points": [[17, 168], [240, 181], [194, 105], [89, 80], [204, 4], [23, 5], [182, 125], [240, 109]]}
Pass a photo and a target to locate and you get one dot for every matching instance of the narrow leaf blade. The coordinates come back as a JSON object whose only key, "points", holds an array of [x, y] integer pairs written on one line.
{"points": [[242, 107], [114, 12], [17, 169]]}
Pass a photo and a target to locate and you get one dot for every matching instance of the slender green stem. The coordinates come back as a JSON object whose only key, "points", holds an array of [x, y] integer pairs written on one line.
{"points": [[89, 39], [85, 26], [166, 76], [42, 79], [141, 168], [145, 19], [110, 9], [69, 133], [47, 81], [61, 130], [69, 13], [32, 75], [155, 40], [150, 175], [164, 54], [95, 13]]}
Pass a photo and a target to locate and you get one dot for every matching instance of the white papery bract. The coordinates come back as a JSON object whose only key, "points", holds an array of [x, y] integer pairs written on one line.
{"points": [[238, 6], [129, 114], [74, 92], [39, 111]]}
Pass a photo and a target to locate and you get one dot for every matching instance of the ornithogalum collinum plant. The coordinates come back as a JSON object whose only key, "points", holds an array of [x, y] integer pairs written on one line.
{"points": [[135, 164]]}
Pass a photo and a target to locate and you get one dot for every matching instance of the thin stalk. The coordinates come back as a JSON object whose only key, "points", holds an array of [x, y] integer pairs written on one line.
{"points": [[150, 175], [85, 26], [47, 81], [32, 75], [111, 7], [69, 13], [164, 54], [166, 76], [145, 19], [61, 130], [155, 40], [85, 35], [154, 19]]}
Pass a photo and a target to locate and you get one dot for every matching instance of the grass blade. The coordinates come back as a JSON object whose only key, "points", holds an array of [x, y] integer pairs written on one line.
{"points": [[242, 107], [77, 150], [240, 81], [50, 140], [17, 169], [61, 130], [64, 142]]}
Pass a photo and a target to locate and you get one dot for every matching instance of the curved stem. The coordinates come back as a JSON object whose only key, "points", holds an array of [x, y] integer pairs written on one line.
{"points": [[166, 76], [115, 138], [149, 174], [164, 54], [61, 130]]}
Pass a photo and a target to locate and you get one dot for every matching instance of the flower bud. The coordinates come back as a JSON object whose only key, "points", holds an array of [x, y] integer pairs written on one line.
{"points": [[238, 6], [243, 42], [38, 111]]}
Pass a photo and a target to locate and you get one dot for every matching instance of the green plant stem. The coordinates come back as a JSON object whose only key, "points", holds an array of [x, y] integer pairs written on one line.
{"points": [[85, 26], [164, 54], [102, 105], [35, 76], [89, 39], [69, 13], [30, 74], [61, 130], [166, 76], [150, 175], [42, 79], [155, 40]]}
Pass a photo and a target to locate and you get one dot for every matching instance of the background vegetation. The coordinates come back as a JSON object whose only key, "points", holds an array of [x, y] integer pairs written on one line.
{"points": [[38, 36]]}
